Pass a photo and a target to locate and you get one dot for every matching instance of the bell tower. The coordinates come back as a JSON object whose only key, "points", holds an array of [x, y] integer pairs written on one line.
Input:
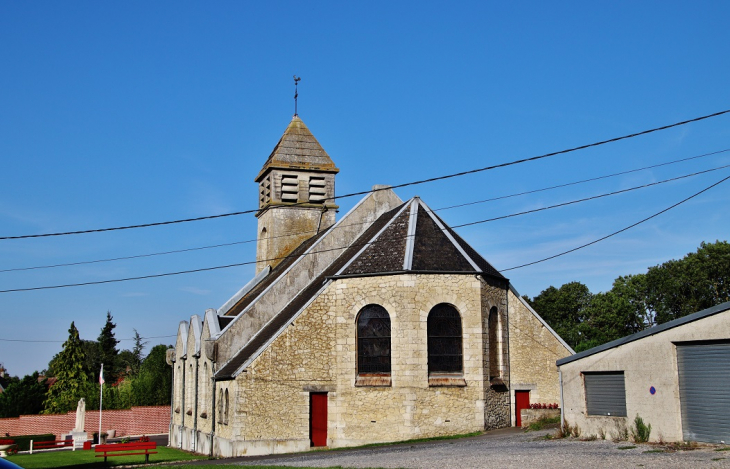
{"points": [[296, 187]]}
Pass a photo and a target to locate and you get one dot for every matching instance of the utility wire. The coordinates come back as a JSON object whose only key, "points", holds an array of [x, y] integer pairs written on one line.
{"points": [[200, 248], [619, 231], [412, 183], [62, 341], [343, 248]]}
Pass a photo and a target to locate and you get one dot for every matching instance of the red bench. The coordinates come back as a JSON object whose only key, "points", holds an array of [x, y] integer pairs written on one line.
{"points": [[127, 449], [52, 444]]}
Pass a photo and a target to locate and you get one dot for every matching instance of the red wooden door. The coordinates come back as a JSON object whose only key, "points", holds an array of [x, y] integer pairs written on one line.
{"points": [[522, 401], [318, 418]]}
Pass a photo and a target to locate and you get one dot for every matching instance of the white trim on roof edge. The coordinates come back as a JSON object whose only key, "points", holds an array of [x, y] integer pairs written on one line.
{"points": [[196, 328], [547, 326], [370, 241], [448, 235], [246, 288], [411, 236]]}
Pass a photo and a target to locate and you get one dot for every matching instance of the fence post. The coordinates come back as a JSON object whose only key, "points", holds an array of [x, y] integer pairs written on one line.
{"points": [[31, 446]]}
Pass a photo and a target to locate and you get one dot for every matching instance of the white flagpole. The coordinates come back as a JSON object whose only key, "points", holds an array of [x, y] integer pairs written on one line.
{"points": [[101, 396]]}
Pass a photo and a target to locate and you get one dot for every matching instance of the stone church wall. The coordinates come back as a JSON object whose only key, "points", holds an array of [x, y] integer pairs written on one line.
{"points": [[534, 351]]}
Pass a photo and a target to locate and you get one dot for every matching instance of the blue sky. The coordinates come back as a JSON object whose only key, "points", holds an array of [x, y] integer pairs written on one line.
{"points": [[134, 112]]}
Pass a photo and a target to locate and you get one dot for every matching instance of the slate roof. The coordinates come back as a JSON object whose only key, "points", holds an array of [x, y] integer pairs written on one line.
{"points": [[408, 239], [415, 239], [298, 149]]}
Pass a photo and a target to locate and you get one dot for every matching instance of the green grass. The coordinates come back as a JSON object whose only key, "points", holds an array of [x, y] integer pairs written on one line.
{"points": [[87, 460], [655, 451], [540, 424], [723, 449], [627, 447]]}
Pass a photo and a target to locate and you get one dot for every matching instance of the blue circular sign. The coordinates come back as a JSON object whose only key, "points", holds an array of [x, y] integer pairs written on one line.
{"points": [[652, 390]]}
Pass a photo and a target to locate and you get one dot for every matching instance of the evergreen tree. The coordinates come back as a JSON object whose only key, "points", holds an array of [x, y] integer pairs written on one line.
{"points": [[72, 381], [108, 353], [23, 397]]}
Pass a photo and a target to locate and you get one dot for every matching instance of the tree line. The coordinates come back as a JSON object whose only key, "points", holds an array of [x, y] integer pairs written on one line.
{"points": [[131, 378], [635, 302]]}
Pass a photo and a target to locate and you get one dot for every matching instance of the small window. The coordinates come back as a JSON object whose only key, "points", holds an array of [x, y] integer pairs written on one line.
{"points": [[444, 340], [605, 393], [373, 340]]}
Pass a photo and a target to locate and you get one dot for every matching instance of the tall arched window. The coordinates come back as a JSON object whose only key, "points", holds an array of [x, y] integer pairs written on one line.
{"points": [[373, 340], [494, 348], [204, 391], [221, 406], [444, 340], [225, 409]]}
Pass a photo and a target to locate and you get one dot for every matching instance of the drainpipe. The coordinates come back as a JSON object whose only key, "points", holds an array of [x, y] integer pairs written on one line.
{"points": [[213, 412], [509, 352], [182, 405], [195, 406], [562, 407], [172, 403]]}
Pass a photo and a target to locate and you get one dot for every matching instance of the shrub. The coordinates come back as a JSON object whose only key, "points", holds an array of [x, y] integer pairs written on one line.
{"points": [[641, 431]]}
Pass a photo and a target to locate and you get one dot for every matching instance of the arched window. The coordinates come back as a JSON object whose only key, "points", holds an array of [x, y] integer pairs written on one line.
{"points": [[204, 391], [373, 340], [494, 355], [221, 406], [444, 340], [225, 409]]}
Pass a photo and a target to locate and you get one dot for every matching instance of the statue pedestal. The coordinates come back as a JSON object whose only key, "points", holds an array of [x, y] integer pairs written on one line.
{"points": [[79, 438]]}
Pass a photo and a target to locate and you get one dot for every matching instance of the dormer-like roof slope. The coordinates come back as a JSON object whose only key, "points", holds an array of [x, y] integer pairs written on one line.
{"points": [[298, 149], [416, 240]]}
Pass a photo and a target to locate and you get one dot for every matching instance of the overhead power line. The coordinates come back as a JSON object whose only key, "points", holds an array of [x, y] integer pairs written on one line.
{"points": [[342, 248], [619, 231], [214, 246], [62, 341], [406, 184]]}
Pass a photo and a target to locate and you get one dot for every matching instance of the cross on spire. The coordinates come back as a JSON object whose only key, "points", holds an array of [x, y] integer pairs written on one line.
{"points": [[296, 93]]}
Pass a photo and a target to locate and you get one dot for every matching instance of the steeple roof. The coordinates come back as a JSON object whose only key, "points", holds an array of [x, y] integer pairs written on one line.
{"points": [[299, 150]]}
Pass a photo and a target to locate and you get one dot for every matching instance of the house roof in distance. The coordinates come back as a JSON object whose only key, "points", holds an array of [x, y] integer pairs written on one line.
{"points": [[298, 149]]}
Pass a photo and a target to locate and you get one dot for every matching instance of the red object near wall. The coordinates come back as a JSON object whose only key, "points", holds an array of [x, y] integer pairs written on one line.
{"points": [[318, 418], [522, 401]]}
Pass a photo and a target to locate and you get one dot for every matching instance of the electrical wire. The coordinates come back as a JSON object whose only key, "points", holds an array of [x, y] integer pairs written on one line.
{"points": [[62, 341], [214, 246], [619, 231], [412, 183], [239, 264]]}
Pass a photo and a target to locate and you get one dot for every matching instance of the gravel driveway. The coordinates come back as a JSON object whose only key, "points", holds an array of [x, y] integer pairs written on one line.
{"points": [[507, 448]]}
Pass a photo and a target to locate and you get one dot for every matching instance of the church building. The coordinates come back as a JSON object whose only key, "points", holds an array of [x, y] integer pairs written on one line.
{"points": [[384, 325]]}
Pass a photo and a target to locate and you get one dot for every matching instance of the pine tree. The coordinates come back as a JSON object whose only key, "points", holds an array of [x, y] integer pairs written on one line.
{"points": [[72, 382], [108, 353]]}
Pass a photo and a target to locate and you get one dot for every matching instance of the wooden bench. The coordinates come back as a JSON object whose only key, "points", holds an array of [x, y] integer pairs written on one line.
{"points": [[52, 444], [127, 449]]}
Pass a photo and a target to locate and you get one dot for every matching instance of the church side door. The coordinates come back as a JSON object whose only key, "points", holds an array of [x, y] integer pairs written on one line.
{"points": [[522, 401], [318, 418]]}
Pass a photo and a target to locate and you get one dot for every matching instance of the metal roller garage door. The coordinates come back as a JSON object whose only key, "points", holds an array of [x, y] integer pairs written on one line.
{"points": [[704, 390]]}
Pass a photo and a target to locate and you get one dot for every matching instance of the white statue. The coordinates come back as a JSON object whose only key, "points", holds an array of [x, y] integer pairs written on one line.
{"points": [[80, 415]]}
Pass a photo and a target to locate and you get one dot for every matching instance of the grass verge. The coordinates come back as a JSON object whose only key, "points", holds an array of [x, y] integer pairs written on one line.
{"points": [[86, 459]]}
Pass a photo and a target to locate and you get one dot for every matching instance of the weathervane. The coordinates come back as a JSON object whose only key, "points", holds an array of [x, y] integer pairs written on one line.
{"points": [[296, 93]]}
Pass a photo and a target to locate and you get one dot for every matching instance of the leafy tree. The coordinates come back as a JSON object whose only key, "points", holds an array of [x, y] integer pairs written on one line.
{"points": [[108, 352], [72, 380], [23, 396], [92, 362], [700, 280], [564, 309], [609, 316], [154, 383]]}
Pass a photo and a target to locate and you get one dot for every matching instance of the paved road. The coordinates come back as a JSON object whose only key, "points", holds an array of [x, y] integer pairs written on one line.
{"points": [[507, 448]]}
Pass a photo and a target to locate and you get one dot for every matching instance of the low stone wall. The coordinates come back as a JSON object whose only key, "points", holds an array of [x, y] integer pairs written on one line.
{"points": [[150, 420], [533, 415]]}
